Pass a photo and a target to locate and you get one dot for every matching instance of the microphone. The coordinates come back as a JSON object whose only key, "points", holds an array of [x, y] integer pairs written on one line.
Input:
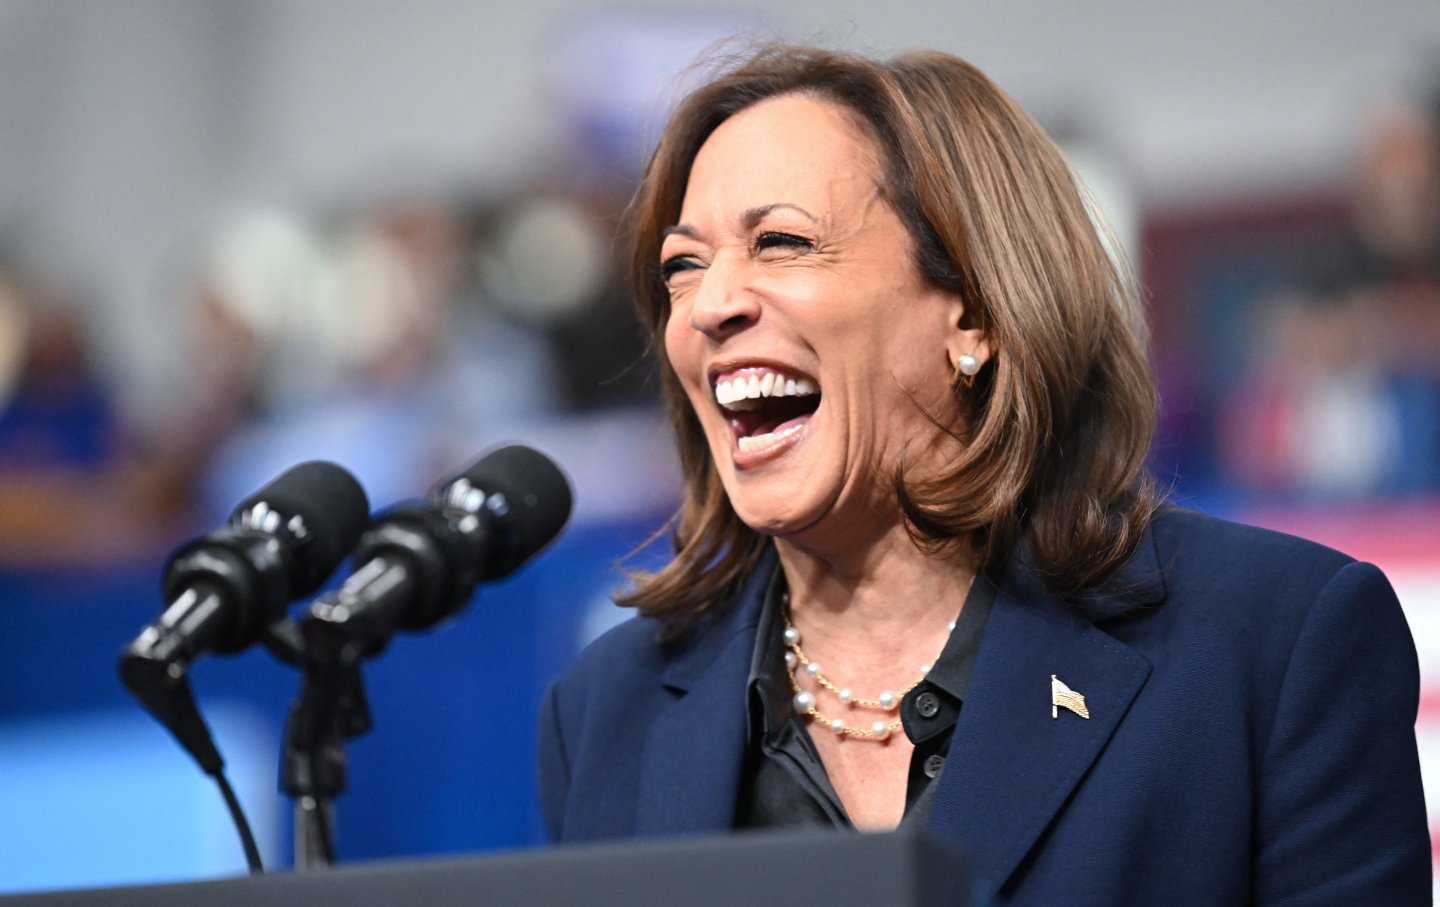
{"points": [[226, 587], [420, 562]]}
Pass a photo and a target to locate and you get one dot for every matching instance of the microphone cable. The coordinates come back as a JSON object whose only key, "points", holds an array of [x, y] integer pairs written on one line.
{"points": [[242, 824]]}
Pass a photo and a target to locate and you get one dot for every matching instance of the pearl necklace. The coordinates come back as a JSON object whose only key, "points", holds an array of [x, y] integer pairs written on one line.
{"points": [[804, 700]]}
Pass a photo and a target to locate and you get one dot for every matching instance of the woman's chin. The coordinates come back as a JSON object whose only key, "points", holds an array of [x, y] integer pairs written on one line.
{"points": [[771, 521], [783, 512]]}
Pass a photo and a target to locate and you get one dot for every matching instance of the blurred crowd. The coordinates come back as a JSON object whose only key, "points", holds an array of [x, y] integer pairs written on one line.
{"points": [[1339, 398], [398, 338], [399, 335]]}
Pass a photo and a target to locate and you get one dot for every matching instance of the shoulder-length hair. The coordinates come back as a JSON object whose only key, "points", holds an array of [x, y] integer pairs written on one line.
{"points": [[1056, 424]]}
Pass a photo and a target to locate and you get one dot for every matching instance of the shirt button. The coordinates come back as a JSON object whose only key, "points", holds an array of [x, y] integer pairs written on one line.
{"points": [[933, 765], [927, 704]]}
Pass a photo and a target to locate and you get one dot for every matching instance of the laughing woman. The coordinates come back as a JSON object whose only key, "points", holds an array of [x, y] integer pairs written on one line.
{"points": [[919, 576]]}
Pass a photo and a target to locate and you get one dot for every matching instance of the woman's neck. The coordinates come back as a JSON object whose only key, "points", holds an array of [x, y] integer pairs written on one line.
{"points": [[886, 591]]}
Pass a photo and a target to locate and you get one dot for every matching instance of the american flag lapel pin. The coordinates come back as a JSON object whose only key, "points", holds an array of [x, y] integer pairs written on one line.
{"points": [[1062, 696]]}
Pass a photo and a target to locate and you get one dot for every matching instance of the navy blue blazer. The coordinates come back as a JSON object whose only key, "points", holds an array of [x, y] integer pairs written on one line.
{"points": [[1252, 702]]}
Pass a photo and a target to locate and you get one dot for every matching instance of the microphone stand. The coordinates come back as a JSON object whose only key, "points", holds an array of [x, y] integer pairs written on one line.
{"points": [[343, 628], [331, 708]]}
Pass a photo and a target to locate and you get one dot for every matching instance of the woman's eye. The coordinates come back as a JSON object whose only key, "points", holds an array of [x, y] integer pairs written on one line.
{"points": [[776, 240], [672, 266]]}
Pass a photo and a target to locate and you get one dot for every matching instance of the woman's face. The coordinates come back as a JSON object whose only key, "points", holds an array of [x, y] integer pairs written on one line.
{"points": [[804, 335]]}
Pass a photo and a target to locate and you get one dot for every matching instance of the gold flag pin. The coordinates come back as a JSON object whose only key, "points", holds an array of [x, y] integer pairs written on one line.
{"points": [[1062, 696]]}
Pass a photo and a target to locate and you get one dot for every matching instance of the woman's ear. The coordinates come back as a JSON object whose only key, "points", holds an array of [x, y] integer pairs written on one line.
{"points": [[967, 343]]}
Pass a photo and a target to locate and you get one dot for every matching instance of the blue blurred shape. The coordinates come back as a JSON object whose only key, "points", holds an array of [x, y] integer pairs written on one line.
{"points": [[107, 798]]}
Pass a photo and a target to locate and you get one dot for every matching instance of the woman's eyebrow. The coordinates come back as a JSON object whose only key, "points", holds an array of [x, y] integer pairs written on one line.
{"points": [[749, 219], [753, 216]]}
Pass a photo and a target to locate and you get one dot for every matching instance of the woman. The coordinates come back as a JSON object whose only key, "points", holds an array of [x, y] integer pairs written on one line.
{"points": [[919, 577]]}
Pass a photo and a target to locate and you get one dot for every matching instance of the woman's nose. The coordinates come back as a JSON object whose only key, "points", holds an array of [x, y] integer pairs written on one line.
{"points": [[725, 303]]}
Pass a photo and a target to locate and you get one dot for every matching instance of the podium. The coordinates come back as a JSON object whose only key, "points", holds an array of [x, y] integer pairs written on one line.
{"points": [[751, 869]]}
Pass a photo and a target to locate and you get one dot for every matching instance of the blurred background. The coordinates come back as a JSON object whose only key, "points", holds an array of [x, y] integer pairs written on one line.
{"points": [[238, 235]]}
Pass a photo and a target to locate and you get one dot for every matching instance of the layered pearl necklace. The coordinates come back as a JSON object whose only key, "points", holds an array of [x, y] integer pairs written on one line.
{"points": [[804, 701]]}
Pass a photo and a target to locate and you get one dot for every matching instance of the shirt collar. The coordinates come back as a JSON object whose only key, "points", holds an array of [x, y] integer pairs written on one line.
{"points": [[951, 671], [768, 687]]}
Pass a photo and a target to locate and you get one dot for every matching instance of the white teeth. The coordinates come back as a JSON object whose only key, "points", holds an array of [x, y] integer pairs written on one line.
{"points": [[760, 442], [735, 393]]}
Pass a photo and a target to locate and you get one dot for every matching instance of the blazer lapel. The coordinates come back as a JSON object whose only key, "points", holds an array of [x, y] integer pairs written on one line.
{"points": [[1011, 765], [690, 769]]}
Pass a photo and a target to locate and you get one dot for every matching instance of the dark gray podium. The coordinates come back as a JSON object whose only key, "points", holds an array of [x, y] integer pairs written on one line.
{"points": [[897, 869]]}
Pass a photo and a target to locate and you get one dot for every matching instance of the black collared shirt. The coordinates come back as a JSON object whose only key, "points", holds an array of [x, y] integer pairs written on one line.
{"points": [[784, 782]]}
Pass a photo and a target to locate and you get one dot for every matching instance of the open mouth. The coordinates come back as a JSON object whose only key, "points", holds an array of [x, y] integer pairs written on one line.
{"points": [[765, 405]]}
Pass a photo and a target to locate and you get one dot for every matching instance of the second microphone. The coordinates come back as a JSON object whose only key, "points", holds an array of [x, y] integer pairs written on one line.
{"points": [[419, 563]]}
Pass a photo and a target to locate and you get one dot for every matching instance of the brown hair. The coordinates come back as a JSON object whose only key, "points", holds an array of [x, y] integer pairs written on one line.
{"points": [[1057, 422]]}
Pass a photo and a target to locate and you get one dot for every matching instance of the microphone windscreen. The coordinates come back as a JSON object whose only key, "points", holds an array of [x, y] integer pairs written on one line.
{"points": [[535, 502], [332, 507]]}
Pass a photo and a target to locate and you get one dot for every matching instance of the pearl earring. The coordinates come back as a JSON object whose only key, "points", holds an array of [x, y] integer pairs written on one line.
{"points": [[965, 369]]}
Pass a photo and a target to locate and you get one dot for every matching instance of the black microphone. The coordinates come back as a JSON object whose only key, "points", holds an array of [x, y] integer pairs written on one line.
{"points": [[226, 587], [420, 562]]}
